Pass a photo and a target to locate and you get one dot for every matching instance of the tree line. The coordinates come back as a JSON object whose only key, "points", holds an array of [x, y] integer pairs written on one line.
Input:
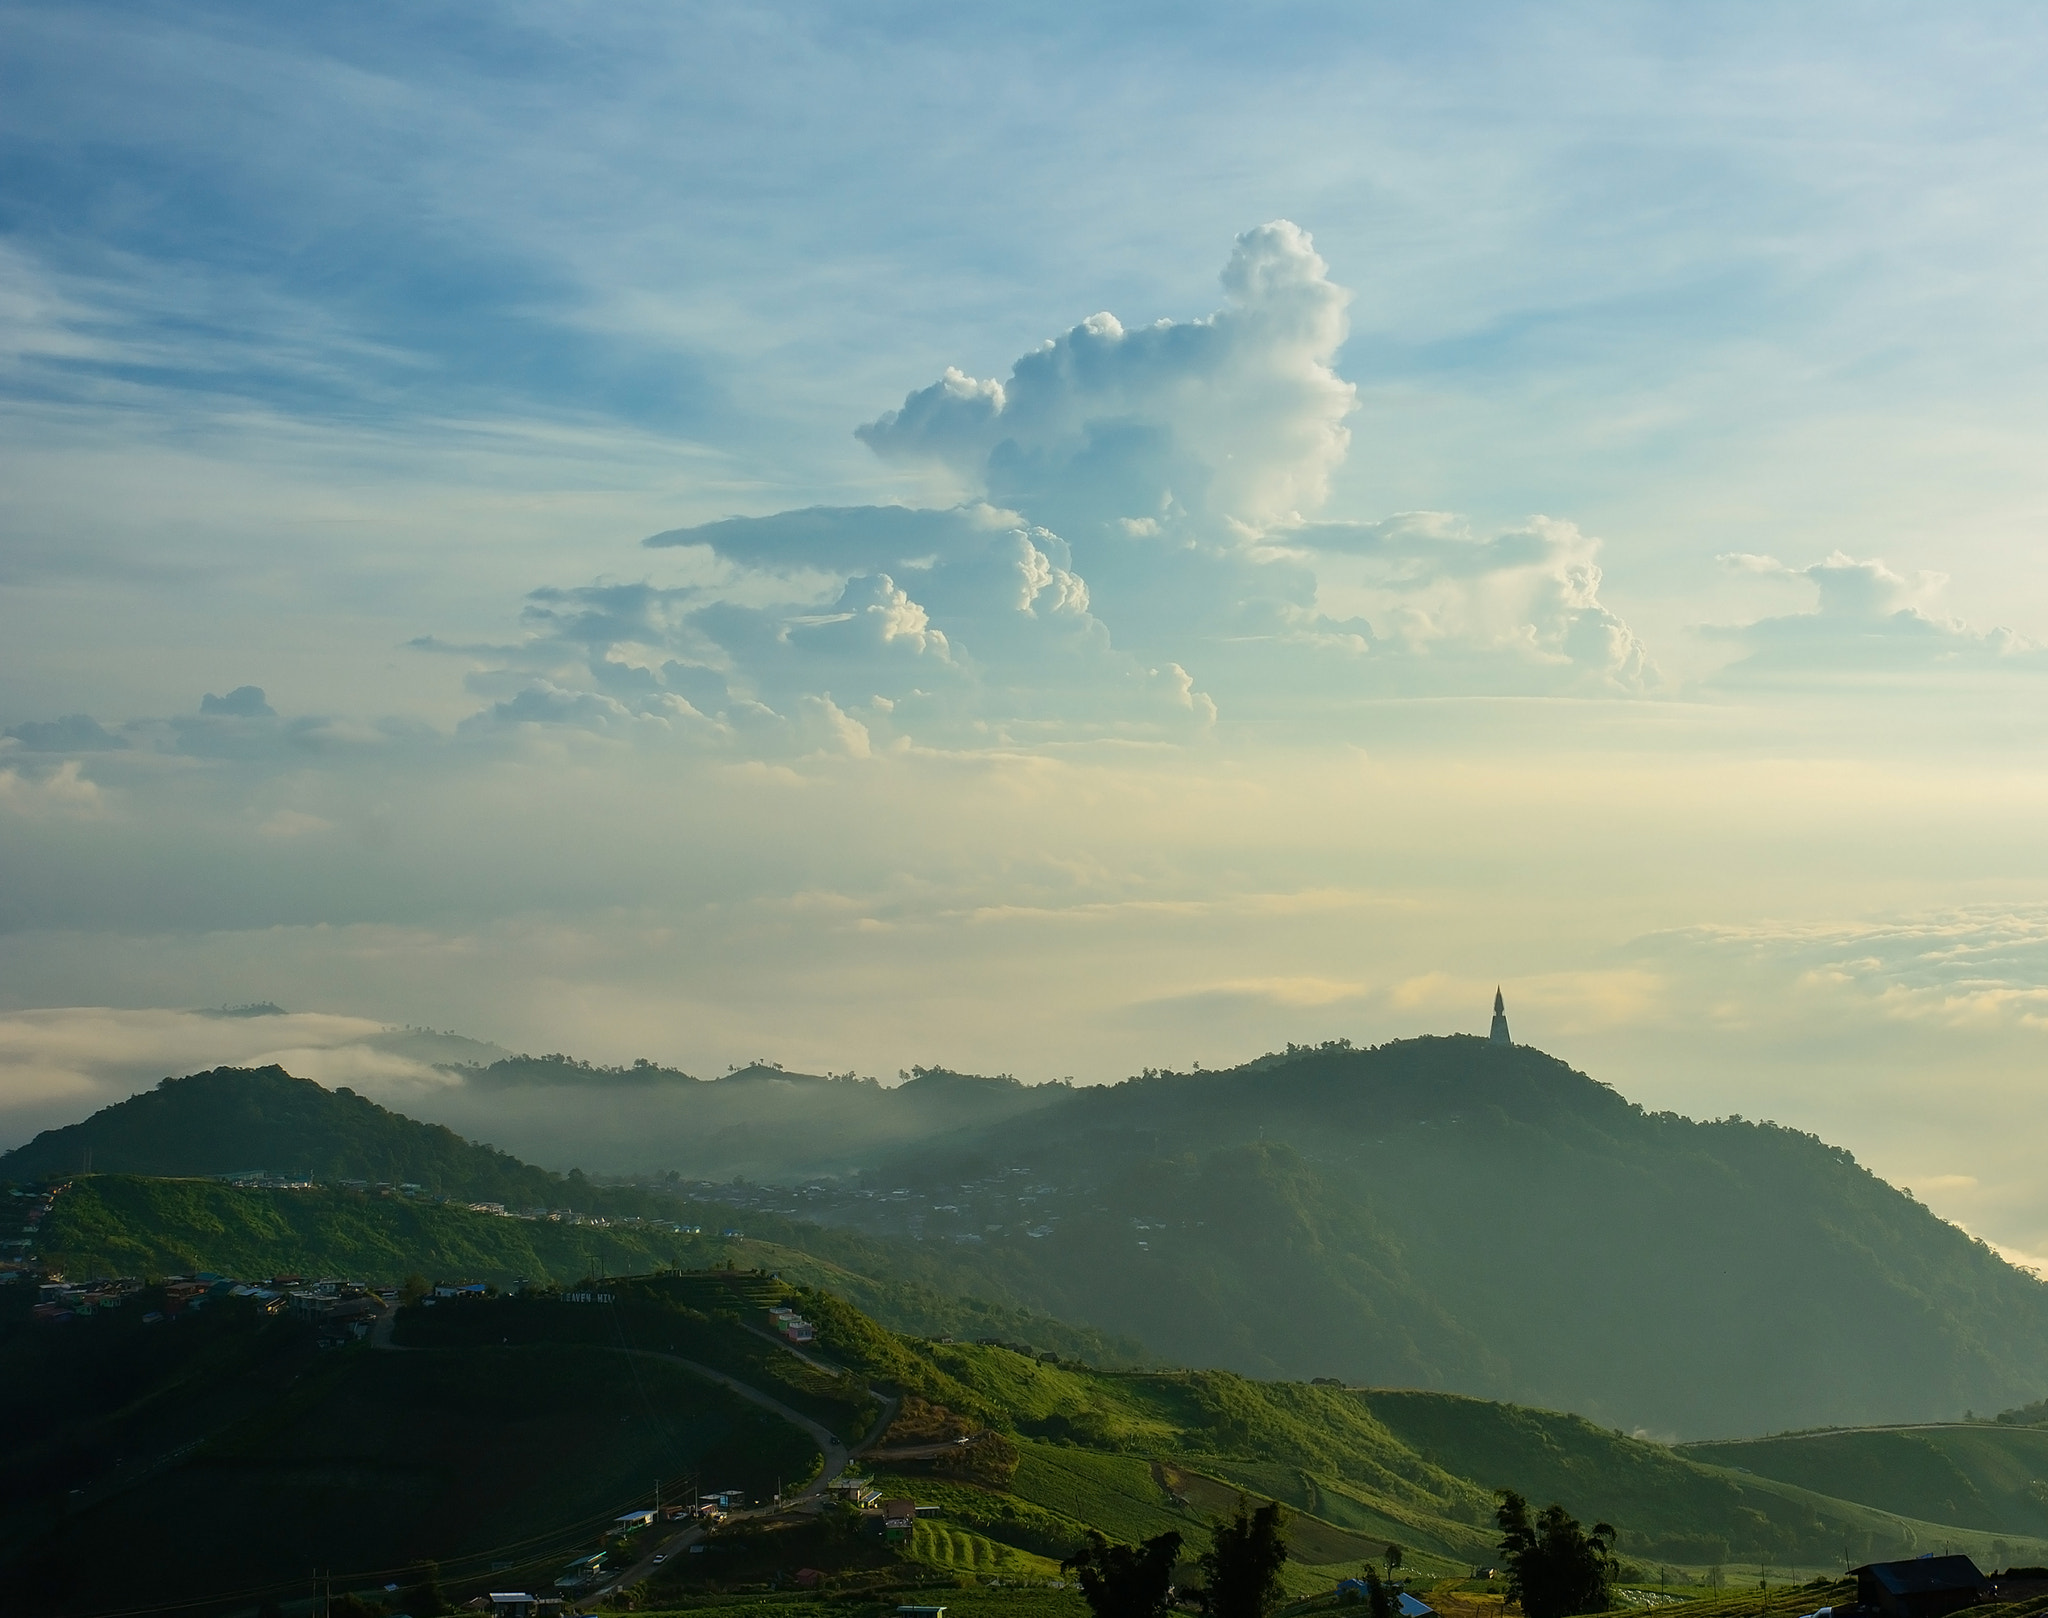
{"points": [[1556, 1567]]}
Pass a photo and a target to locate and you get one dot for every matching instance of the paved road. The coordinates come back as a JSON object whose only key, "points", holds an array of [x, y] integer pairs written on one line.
{"points": [[837, 1457]]}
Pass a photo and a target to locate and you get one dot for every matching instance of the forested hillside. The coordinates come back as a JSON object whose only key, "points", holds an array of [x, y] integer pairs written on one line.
{"points": [[1452, 1214]]}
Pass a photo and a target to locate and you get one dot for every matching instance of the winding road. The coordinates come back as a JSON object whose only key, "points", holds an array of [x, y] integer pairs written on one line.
{"points": [[838, 1455]]}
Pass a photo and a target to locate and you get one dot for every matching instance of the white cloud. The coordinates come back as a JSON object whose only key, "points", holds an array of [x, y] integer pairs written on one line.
{"points": [[1234, 419], [1866, 619], [1514, 611], [44, 794]]}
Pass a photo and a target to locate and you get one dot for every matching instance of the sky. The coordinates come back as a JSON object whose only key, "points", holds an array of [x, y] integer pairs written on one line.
{"points": [[889, 535]]}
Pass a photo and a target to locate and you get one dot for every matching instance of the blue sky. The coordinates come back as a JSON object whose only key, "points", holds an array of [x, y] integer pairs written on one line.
{"points": [[1058, 544]]}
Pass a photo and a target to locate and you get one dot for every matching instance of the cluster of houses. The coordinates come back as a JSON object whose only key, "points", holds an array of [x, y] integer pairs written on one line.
{"points": [[272, 1180], [58, 1299], [343, 1310], [790, 1326], [29, 1208]]}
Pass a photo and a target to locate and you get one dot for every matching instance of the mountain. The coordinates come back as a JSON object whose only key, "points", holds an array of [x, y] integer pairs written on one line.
{"points": [[239, 1120], [1471, 1217], [1444, 1214]]}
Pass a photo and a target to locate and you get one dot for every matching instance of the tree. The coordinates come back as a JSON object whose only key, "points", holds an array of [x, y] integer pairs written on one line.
{"points": [[1242, 1564], [1379, 1596], [414, 1289], [424, 1598], [1126, 1581], [1394, 1557], [991, 1460], [1555, 1567]]}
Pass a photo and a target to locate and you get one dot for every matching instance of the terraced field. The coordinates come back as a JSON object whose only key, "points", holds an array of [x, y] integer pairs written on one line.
{"points": [[961, 1551]]}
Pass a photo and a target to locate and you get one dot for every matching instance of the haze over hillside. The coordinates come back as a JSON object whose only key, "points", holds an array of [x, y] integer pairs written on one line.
{"points": [[1440, 1213]]}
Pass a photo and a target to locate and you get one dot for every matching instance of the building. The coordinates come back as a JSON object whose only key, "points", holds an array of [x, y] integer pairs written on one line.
{"points": [[789, 1325], [1926, 1587], [627, 1521], [1408, 1606], [860, 1491], [898, 1518], [1499, 1032]]}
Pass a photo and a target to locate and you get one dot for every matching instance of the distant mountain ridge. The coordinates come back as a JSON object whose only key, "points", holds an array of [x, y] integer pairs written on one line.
{"points": [[758, 1121]]}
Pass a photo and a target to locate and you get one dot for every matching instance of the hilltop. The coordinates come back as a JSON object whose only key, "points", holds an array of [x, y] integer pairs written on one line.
{"points": [[238, 1120]]}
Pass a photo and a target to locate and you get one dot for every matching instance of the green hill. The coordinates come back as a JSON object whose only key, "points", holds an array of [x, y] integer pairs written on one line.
{"points": [[121, 1224], [1687, 1506], [232, 1120], [1453, 1214], [115, 1224], [1973, 1475]]}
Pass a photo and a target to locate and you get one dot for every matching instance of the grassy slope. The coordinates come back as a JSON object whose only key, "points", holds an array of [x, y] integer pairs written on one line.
{"points": [[112, 1224], [115, 1224], [680, 1315], [1667, 1505], [1977, 1476], [1109, 1448], [1416, 1467], [922, 1288]]}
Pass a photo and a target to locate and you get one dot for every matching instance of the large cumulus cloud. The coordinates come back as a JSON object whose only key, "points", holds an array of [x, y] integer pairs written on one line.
{"points": [[1236, 419]]}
